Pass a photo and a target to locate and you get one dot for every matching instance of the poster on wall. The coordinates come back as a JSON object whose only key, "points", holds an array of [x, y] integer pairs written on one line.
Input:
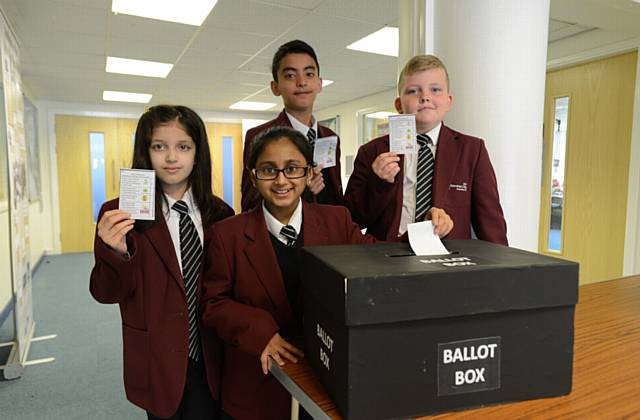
{"points": [[332, 123], [18, 193], [33, 154]]}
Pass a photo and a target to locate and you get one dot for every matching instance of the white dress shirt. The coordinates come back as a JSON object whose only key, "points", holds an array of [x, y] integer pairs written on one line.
{"points": [[410, 179], [274, 226], [303, 127]]}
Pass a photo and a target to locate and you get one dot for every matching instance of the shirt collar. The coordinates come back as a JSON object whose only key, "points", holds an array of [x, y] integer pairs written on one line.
{"points": [[187, 198], [434, 133], [274, 226], [302, 127]]}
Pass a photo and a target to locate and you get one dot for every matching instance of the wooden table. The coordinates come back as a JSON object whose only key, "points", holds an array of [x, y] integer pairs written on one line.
{"points": [[606, 365]]}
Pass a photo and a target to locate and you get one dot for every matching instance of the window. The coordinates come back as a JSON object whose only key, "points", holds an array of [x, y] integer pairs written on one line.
{"points": [[554, 240], [98, 181]]}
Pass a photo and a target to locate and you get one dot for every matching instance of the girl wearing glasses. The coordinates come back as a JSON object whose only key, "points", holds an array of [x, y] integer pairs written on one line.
{"points": [[252, 293]]}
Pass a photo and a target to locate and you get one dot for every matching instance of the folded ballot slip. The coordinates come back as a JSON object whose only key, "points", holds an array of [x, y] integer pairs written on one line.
{"points": [[137, 193], [423, 239]]}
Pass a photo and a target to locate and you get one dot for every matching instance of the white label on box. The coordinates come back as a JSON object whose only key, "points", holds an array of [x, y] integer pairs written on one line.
{"points": [[469, 365]]}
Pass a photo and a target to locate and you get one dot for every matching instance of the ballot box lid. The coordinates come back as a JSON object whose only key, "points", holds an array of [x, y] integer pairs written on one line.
{"points": [[386, 282]]}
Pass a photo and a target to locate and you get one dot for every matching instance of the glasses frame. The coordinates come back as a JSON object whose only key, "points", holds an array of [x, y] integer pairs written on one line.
{"points": [[282, 171]]}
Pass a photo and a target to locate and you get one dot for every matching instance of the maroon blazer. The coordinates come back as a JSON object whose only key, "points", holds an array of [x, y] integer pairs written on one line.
{"points": [[245, 302], [250, 196], [464, 185], [155, 328]]}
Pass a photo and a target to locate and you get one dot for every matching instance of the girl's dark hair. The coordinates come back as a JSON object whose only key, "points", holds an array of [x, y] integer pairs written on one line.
{"points": [[211, 207], [273, 134]]}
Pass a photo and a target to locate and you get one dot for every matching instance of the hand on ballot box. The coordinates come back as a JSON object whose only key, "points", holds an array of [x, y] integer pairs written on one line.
{"points": [[278, 349]]}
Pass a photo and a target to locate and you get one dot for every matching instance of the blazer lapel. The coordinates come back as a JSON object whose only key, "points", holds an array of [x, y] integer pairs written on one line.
{"points": [[314, 231], [447, 157], [160, 239], [262, 257], [282, 120]]}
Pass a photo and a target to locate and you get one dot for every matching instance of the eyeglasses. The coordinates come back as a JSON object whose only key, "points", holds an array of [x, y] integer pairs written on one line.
{"points": [[290, 172]]}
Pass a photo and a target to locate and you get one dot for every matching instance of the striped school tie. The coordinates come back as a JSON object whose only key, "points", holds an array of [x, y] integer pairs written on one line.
{"points": [[290, 233], [191, 252], [426, 163], [311, 136]]}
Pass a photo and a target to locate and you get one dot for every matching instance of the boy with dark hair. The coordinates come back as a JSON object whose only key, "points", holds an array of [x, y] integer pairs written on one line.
{"points": [[296, 77], [451, 170]]}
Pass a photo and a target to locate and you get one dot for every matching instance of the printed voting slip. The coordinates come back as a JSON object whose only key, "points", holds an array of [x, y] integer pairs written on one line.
{"points": [[324, 151], [137, 193], [423, 239], [402, 134]]}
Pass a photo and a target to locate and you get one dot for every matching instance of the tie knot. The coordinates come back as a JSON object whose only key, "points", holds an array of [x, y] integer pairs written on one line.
{"points": [[290, 233], [311, 135], [424, 140], [181, 207]]}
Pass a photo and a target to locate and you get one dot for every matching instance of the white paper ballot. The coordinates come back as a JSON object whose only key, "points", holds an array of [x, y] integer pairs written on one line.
{"points": [[137, 193], [402, 134], [423, 240], [324, 151]]}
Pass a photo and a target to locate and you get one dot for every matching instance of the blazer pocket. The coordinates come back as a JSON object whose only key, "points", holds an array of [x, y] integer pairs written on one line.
{"points": [[135, 344], [458, 199]]}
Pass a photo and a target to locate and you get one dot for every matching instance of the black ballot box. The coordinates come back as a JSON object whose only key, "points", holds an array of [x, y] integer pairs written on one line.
{"points": [[393, 335]]}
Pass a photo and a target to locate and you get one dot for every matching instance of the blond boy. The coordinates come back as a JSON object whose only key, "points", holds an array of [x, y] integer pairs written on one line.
{"points": [[452, 171]]}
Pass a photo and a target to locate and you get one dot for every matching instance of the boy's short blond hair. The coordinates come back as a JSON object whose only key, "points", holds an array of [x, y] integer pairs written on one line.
{"points": [[421, 63]]}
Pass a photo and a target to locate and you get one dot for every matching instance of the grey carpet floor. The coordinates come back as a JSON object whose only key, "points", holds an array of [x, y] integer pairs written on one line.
{"points": [[85, 380]]}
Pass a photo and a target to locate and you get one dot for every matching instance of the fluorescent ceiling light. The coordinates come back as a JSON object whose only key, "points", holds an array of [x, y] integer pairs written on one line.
{"points": [[110, 95], [381, 115], [383, 41], [326, 82], [252, 106], [189, 12], [137, 67]]}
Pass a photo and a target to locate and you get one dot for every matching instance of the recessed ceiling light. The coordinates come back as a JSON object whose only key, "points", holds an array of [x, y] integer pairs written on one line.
{"points": [[110, 95], [326, 82], [383, 41], [189, 12], [252, 106], [381, 115], [137, 67]]}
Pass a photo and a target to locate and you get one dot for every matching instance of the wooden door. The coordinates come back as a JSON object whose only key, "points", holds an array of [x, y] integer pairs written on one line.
{"points": [[77, 226], [591, 202], [216, 133]]}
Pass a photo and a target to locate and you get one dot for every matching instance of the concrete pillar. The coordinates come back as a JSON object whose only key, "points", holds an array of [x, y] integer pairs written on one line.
{"points": [[495, 52], [411, 22]]}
